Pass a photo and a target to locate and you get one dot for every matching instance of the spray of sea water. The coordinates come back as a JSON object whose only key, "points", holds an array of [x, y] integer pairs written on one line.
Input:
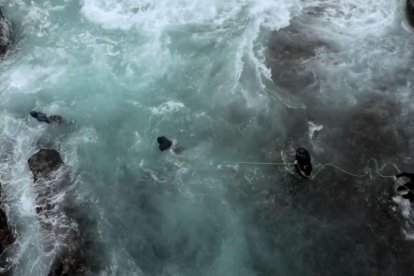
{"points": [[236, 80]]}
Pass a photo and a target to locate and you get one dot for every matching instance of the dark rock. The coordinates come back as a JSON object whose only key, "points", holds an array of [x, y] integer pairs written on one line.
{"points": [[5, 33], [6, 239], [6, 235], [44, 162], [68, 266], [75, 254], [83, 255], [410, 11]]}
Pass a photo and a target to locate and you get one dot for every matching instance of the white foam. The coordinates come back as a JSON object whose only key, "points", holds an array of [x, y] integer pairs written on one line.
{"points": [[167, 108], [37, 19], [29, 79], [409, 236], [313, 128], [17, 141], [27, 203], [153, 16], [405, 206]]}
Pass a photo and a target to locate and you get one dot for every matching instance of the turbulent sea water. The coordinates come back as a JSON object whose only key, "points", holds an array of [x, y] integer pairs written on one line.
{"points": [[230, 81]]}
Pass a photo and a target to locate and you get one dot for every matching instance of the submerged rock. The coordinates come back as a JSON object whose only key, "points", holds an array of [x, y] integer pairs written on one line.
{"points": [[56, 119], [44, 162], [5, 33], [410, 11]]}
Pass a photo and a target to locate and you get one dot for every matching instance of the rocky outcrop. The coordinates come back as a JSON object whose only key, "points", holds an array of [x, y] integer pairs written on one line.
{"points": [[6, 239], [6, 235], [68, 266], [5, 33], [70, 251], [410, 11]]}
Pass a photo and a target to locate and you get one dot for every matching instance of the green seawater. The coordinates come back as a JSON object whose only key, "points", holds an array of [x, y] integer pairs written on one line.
{"points": [[122, 73]]}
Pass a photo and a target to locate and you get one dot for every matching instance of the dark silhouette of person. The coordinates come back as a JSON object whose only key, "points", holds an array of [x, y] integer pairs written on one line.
{"points": [[408, 187], [164, 143], [40, 116], [303, 162]]}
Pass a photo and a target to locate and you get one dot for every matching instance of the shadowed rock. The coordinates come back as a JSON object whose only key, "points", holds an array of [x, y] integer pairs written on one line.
{"points": [[6, 236], [44, 162], [68, 266]]}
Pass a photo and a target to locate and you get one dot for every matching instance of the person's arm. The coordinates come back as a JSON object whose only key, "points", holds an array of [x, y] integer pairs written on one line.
{"points": [[406, 174]]}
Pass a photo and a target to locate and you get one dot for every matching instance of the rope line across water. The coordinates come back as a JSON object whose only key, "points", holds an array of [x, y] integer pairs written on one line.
{"points": [[368, 171], [258, 163]]}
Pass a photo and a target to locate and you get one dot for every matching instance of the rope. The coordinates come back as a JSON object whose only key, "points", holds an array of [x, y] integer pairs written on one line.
{"points": [[258, 163], [367, 170], [378, 169]]}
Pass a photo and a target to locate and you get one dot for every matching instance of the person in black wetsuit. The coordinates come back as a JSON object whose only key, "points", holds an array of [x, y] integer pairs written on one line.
{"points": [[164, 143], [407, 188], [303, 162]]}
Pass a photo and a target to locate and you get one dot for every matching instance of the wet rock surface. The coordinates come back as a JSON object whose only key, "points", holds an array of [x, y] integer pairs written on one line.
{"points": [[6, 235], [6, 238], [75, 241], [80, 256], [5, 33]]}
